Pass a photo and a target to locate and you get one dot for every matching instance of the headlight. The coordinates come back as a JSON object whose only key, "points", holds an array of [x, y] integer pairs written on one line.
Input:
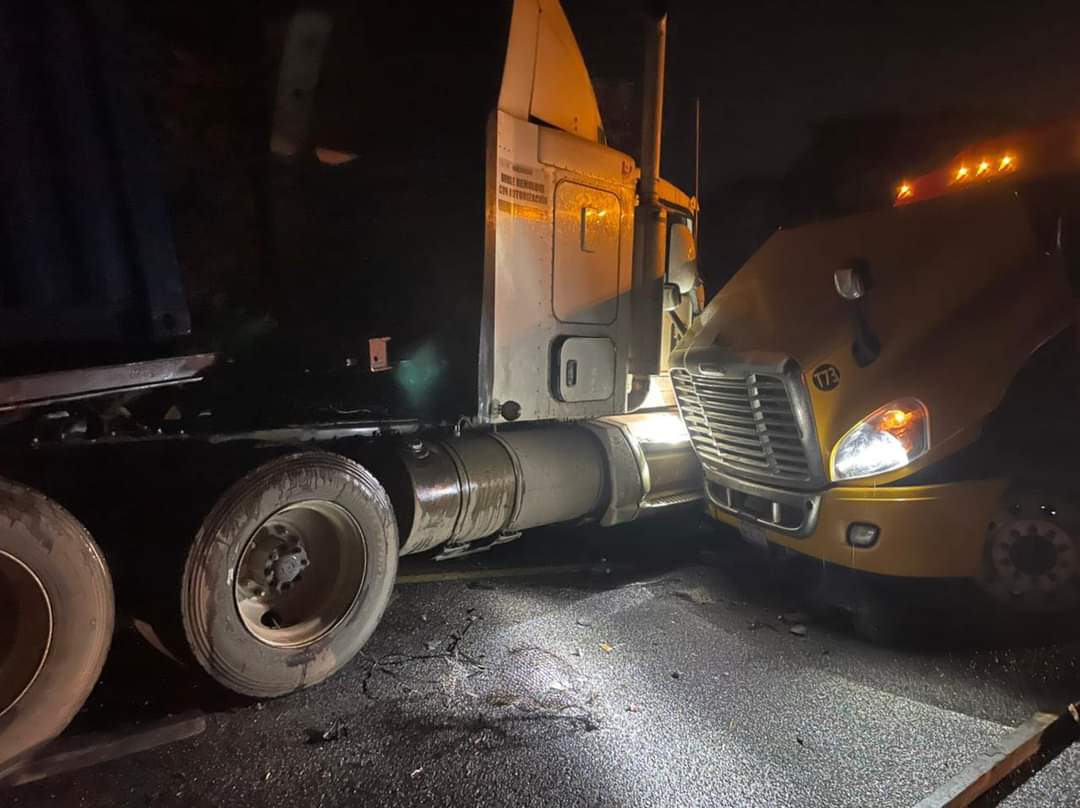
{"points": [[887, 439]]}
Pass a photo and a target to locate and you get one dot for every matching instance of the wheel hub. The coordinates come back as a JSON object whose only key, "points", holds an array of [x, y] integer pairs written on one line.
{"points": [[286, 569], [1032, 549], [285, 563], [299, 573], [1032, 554]]}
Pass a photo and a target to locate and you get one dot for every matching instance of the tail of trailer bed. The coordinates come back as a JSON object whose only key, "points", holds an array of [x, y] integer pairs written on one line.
{"points": [[388, 250]]}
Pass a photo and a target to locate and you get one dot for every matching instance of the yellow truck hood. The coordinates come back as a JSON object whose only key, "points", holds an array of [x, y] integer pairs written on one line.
{"points": [[961, 292]]}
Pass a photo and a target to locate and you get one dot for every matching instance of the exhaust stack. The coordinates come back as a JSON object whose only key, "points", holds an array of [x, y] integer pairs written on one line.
{"points": [[649, 263]]}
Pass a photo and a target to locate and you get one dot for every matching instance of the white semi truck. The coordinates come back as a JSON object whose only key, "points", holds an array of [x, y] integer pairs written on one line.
{"points": [[390, 246]]}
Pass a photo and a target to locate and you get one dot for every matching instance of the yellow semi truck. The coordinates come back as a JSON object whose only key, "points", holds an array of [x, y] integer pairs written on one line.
{"points": [[895, 392]]}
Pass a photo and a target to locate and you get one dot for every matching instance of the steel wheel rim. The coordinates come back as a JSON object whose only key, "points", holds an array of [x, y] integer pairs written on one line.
{"points": [[300, 573], [24, 641]]}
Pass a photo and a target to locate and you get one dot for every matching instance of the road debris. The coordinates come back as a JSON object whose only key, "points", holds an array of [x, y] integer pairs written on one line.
{"points": [[799, 630], [416, 773], [335, 732], [697, 594], [502, 699], [607, 648], [632, 708], [676, 675], [581, 621], [756, 624], [445, 649]]}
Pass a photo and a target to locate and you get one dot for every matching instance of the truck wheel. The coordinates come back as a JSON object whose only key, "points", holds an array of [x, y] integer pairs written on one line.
{"points": [[289, 574], [56, 599], [1032, 556]]}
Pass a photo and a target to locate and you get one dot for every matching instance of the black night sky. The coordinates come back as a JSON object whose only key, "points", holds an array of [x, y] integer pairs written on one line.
{"points": [[815, 109]]}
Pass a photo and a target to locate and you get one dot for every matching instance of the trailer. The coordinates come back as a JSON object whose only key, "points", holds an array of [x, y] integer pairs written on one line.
{"points": [[388, 247]]}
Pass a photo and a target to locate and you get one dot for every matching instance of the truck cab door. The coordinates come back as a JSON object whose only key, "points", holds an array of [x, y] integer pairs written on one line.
{"points": [[555, 328]]}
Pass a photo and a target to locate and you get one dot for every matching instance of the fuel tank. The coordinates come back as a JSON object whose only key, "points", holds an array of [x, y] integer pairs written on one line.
{"points": [[610, 470]]}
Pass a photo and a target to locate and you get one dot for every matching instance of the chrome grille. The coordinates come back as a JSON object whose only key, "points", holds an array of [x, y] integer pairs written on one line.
{"points": [[743, 424]]}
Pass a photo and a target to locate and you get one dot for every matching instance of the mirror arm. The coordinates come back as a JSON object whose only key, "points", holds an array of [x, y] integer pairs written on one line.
{"points": [[679, 324], [866, 347]]}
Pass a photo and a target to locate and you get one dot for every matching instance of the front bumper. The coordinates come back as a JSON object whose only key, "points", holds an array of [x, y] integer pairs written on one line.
{"points": [[926, 531]]}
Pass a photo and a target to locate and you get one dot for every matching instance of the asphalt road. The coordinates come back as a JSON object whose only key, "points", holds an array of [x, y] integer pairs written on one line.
{"points": [[652, 665]]}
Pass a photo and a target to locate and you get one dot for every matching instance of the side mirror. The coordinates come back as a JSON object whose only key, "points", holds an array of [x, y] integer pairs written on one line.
{"points": [[850, 283], [681, 259]]}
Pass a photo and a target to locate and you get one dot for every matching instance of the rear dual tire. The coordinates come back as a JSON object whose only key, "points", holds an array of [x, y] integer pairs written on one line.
{"points": [[56, 599], [290, 574]]}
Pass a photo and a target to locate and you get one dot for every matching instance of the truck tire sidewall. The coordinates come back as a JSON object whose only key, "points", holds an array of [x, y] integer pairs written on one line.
{"points": [[214, 629], [53, 545]]}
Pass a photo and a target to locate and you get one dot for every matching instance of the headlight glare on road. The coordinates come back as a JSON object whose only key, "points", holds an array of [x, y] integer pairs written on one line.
{"points": [[887, 439]]}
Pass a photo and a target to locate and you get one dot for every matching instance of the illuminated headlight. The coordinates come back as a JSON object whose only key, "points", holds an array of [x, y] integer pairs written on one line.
{"points": [[887, 439]]}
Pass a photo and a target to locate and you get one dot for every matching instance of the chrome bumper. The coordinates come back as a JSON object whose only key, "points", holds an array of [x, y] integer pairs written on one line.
{"points": [[794, 513]]}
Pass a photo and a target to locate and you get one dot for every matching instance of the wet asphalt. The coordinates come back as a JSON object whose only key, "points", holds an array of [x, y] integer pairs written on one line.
{"points": [[656, 664]]}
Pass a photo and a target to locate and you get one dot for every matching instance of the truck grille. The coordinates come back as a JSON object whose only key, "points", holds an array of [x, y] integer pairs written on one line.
{"points": [[743, 424]]}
